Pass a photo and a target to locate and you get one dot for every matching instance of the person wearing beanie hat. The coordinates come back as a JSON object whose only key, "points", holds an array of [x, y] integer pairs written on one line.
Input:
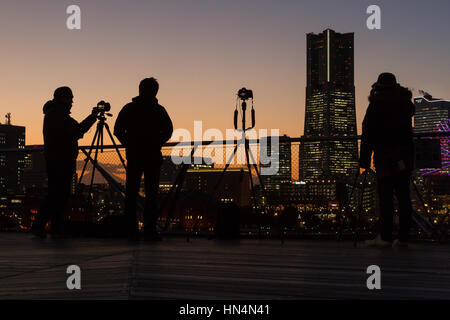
{"points": [[386, 79], [387, 133], [61, 133], [143, 126]]}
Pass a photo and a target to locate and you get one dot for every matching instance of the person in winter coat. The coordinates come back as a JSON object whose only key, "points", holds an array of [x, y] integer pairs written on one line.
{"points": [[387, 133], [142, 127], [61, 134]]}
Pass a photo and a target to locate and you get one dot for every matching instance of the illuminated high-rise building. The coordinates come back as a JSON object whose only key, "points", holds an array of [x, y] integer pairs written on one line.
{"points": [[430, 113], [433, 115], [11, 163], [330, 108]]}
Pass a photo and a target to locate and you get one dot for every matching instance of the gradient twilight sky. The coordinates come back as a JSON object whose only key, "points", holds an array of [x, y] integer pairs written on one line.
{"points": [[203, 51]]}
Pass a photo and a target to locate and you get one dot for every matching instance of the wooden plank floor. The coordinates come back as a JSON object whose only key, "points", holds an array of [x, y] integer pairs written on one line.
{"points": [[209, 269]]}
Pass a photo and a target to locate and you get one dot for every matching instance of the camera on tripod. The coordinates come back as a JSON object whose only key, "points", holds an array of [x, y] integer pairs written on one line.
{"points": [[102, 107], [245, 94]]}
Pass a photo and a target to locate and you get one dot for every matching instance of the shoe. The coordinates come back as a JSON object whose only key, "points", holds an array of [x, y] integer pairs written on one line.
{"points": [[399, 244], [377, 242]]}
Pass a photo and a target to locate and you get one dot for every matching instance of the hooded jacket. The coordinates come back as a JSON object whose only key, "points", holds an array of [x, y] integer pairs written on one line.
{"points": [[143, 126], [61, 133], [387, 130]]}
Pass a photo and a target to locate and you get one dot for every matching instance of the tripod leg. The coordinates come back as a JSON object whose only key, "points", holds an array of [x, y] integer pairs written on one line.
{"points": [[87, 157], [255, 166], [263, 190], [425, 214], [360, 209], [101, 140], [93, 170], [258, 173], [115, 145], [345, 208], [226, 167], [425, 211], [251, 184]]}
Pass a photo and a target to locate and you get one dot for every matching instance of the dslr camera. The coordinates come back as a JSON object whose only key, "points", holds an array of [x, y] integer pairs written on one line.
{"points": [[102, 107], [245, 94]]}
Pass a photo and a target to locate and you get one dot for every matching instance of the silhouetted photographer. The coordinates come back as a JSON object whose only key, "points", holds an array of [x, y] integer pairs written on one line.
{"points": [[387, 132], [142, 127], [61, 134]]}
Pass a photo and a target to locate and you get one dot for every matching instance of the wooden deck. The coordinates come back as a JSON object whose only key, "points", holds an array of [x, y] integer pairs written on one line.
{"points": [[209, 269]]}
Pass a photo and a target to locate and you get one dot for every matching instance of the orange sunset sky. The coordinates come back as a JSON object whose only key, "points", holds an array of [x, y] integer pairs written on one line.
{"points": [[202, 52]]}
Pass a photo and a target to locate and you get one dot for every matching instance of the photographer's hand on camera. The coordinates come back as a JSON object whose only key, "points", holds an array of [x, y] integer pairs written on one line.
{"points": [[95, 111]]}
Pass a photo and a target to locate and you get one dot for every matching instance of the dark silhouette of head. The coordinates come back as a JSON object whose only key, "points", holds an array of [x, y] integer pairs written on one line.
{"points": [[64, 96], [148, 87], [386, 79]]}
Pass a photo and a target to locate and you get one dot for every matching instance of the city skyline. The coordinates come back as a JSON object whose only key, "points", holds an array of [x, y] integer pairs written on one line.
{"points": [[200, 69], [140, 194]]}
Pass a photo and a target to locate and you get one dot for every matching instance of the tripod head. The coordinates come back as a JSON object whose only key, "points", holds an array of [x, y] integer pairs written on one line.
{"points": [[243, 95], [102, 116]]}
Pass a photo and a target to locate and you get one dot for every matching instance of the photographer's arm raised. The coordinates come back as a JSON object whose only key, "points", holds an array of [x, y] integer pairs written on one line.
{"points": [[86, 124], [77, 130]]}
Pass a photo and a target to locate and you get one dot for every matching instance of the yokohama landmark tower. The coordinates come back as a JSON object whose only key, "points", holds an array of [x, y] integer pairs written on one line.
{"points": [[330, 108]]}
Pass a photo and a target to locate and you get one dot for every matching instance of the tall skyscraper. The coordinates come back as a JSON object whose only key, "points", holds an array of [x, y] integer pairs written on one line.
{"points": [[35, 173], [11, 163], [330, 107]]}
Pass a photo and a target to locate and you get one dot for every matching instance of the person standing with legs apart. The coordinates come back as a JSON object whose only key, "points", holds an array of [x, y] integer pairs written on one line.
{"points": [[387, 132], [142, 127], [61, 134]]}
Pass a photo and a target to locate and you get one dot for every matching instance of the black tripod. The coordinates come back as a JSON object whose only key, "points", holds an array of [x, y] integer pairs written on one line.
{"points": [[175, 190], [244, 95], [358, 209], [421, 220], [97, 144]]}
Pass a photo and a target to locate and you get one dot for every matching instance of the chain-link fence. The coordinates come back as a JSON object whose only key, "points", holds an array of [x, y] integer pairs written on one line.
{"points": [[198, 196]]}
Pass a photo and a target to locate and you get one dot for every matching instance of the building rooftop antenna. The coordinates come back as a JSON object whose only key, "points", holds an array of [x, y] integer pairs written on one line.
{"points": [[8, 118]]}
